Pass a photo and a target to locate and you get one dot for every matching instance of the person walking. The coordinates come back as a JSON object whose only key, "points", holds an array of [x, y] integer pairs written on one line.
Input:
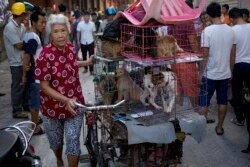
{"points": [[13, 41], [241, 70], [224, 17], [245, 13], [85, 38], [32, 46], [78, 17], [58, 72], [217, 44]]}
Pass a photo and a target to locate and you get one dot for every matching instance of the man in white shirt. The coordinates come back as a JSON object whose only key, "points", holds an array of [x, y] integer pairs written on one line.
{"points": [[85, 38], [217, 43], [13, 40], [241, 70]]}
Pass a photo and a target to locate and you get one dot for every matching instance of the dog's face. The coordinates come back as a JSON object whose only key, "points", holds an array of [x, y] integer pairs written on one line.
{"points": [[167, 46], [157, 79], [120, 72]]}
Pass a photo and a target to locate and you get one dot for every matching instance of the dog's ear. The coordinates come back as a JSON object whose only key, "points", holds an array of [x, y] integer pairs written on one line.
{"points": [[147, 70], [119, 71]]}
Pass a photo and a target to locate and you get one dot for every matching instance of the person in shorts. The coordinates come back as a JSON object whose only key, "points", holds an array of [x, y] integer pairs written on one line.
{"points": [[58, 72], [217, 42], [32, 47]]}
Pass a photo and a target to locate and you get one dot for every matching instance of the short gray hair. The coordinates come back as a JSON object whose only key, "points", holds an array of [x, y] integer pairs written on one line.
{"points": [[57, 19]]}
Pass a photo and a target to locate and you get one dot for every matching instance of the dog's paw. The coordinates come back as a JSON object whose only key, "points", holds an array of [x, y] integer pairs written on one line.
{"points": [[158, 107]]}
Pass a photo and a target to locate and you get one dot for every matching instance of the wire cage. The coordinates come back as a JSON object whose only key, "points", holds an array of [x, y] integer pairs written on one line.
{"points": [[161, 69], [159, 76], [160, 42], [105, 80], [166, 61]]}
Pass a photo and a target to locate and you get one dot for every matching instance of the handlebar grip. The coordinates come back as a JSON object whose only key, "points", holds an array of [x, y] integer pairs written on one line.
{"points": [[101, 107]]}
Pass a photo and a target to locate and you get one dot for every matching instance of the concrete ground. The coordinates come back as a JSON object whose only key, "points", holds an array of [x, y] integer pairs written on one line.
{"points": [[213, 151]]}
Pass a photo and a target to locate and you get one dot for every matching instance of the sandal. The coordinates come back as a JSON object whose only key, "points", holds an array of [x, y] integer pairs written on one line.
{"points": [[39, 132], [219, 133], [20, 115], [40, 121], [210, 120]]}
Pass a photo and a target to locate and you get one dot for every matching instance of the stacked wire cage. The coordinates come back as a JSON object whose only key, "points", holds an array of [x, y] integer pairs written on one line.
{"points": [[163, 67], [158, 70], [165, 60]]}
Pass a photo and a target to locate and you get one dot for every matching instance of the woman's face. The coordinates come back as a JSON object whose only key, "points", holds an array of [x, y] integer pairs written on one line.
{"points": [[59, 35]]}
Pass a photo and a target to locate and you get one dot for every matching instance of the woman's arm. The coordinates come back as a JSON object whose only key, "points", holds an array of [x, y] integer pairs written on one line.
{"points": [[48, 90], [88, 62]]}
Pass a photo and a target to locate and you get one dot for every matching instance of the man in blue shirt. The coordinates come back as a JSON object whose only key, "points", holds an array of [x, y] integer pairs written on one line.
{"points": [[32, 47]]}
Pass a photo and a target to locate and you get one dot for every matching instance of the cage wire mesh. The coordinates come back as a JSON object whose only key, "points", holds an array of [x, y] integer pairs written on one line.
{"points": [[168, 54], [160, 72]]}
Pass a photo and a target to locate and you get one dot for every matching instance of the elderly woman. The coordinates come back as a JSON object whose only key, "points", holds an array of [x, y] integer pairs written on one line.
{"points": [[57, 71]]}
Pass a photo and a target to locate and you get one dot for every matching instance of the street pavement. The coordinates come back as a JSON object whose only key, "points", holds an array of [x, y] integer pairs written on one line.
{"points": [[212, 151]]}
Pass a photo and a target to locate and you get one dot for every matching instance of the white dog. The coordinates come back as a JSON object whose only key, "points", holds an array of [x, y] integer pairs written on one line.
{"points": [[165, 83]]}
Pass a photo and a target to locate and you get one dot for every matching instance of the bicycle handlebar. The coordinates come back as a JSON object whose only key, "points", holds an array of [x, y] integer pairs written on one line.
{"points": [[101, 107]]}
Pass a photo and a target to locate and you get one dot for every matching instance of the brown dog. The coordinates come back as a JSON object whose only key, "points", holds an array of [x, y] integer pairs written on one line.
{"points": [[167, 46], [111, 49]]}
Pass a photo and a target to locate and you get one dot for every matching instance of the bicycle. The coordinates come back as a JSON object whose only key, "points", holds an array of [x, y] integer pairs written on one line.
{"points": [[15, 147], [101, 152]]}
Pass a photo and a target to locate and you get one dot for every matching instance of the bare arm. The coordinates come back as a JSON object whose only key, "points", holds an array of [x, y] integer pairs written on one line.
{"points": [[19, 46], [232, 57], [86, 62], [48, 90], [78, 38], [203, 63], [26, 67]]}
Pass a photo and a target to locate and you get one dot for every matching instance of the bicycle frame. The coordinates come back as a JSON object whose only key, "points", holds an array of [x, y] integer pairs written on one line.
{"points": [[102, 150]]}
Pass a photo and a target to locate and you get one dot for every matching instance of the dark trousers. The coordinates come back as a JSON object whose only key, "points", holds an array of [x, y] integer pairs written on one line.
{"points": [[85, 49], [240, 80], [19, 93]]}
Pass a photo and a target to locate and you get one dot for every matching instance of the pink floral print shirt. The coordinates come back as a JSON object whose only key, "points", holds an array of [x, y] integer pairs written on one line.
{"points": [[61, 70]]}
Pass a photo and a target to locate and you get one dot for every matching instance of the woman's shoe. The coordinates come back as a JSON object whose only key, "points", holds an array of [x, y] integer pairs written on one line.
{"points": [[219, 133], [210, 120], [40, 121], [38, 130]]}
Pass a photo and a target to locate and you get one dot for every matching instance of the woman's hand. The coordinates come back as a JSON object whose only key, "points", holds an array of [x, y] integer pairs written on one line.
{"points": [[92, 59], [70, 105]]}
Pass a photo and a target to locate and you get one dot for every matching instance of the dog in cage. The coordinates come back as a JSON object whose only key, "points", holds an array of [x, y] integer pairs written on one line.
{"points": [[147, 42], [153, 83], [163, 82], [111, 49], [108, 89], [126, 87], [167, 46]]}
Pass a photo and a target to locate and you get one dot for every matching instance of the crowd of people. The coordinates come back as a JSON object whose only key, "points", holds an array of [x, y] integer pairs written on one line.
{"points": [[42, 50]]}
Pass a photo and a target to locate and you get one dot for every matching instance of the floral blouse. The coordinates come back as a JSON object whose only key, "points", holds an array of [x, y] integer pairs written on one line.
{"points": [[61, 70]]}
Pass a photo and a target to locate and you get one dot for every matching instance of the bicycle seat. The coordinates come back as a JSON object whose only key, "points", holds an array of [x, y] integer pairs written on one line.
{"points": [[9, 145]]}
